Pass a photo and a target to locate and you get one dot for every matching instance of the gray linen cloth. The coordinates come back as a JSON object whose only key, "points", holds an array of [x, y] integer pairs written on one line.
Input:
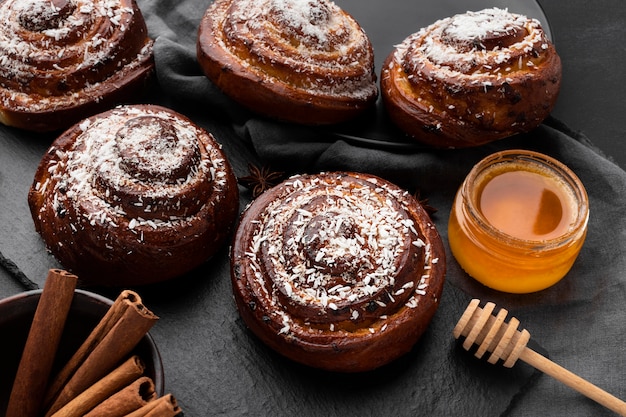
{"points": [[214, 366]]}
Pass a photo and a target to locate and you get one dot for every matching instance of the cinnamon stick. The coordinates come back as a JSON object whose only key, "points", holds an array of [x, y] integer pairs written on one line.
{"points": [[120, 377], [127, 400], [165, 406], [41, 345], [116, 337], [112, 316]]}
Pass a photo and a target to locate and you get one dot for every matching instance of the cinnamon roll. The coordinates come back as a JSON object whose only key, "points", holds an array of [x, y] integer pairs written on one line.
{"points": [[64, 60], [472, 78], [302, 61], [135, 195], [339, 271]]}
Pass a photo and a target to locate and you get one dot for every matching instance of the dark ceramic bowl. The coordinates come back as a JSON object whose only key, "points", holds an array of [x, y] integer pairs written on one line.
{"points": [[16, 315]]}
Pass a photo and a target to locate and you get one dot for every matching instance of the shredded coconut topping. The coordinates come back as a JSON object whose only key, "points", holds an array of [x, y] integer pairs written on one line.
{"points": [[59, 47], [141, 190], [479, 25], [330, 246], [310, 17], [455, 46], [314, 38]]}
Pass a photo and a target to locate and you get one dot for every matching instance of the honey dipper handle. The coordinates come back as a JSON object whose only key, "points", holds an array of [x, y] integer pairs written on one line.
{"points": [[573, 381]]}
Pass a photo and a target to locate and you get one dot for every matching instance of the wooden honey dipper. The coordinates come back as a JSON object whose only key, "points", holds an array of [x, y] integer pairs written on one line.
{"points": [[505, 342]]}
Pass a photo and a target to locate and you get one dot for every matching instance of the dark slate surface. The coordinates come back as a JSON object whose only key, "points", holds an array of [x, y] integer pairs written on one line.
{"points": [[214, 366]]}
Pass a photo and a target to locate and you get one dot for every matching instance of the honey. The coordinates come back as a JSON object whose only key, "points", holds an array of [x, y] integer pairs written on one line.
{"points": [[526, 204], [518, 221]]}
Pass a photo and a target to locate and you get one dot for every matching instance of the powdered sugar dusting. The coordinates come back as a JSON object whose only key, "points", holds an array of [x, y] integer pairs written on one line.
{"points": [[311, 17], [95, 177], [438, 45], [38, 38], [473, 78], [313, 38], [473, 25]]}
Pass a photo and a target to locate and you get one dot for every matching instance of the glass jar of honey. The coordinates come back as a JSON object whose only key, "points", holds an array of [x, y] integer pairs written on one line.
{"points": [[518, 221]]}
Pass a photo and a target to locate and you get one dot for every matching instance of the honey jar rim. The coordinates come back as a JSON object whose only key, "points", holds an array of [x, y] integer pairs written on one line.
{"points": [[550, 166]]}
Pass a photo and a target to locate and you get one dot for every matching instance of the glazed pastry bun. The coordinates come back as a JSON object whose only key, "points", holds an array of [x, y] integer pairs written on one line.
{"points": [[338, 271], [472, 78], [133, 196], [64, 60], [301, 61]]}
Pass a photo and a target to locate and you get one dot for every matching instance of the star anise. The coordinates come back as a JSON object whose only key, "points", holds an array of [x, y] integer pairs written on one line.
{"points": [[424, 203], [260, 179]]}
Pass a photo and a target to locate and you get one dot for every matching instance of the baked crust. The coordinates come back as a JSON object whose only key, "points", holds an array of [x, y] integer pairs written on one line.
{"points": [[471, 79], [66, 60], [132, 196], [304, 61], [339, 271]]}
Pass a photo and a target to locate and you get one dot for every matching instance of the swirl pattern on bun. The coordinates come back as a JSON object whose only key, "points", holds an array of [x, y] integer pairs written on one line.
{"points": [[135, 195], [340, 271], [64, 60], [472, 78], [304, 61]]}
